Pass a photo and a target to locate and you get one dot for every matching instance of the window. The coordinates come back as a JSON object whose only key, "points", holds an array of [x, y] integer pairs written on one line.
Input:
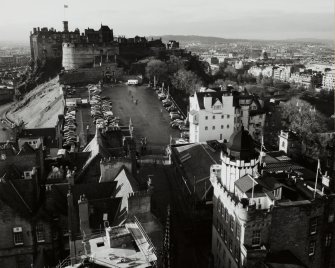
{"points": [[213, 116], [222, 116], [238, 231], [18, 236], [27, 174], [54, 235], [40, 232], [232, 223], [230, 245], [213, 127], [206, 128], [311, 248], [217, 107], [221, 126], [256, 238], [228, 116], [283, 144], [225, 236], [227, 126], [313, 225], [226, 215], [206, 117], [328, 240], [236, 253]]}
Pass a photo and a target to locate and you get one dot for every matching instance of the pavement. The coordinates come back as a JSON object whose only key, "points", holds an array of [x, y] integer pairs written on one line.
{"points": [[148, 116], [6, 133]]}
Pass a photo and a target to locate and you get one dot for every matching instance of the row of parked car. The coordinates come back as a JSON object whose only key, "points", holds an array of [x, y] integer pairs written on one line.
{"points": [[70, 126], [177, 120], [101, 109]]}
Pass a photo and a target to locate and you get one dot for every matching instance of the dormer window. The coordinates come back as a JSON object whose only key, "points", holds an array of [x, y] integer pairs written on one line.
{"points": [[217, 107], [27, 174]]}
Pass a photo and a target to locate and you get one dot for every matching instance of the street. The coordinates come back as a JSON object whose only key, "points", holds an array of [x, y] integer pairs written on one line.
{"points": [[5, 130]]}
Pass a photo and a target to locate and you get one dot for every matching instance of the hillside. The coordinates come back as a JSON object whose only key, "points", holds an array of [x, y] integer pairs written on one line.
{"points": [[212, 40], [40, 107]]}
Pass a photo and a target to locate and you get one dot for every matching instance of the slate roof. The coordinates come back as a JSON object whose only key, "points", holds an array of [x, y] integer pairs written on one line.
{"points": [[283, 259], [246, 183], [48, 134], [100, 196], [215, 96], [196, 160], [18, 195]]}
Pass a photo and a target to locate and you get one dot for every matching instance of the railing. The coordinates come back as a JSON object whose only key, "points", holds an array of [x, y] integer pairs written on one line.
{"points": [[146, 237]]}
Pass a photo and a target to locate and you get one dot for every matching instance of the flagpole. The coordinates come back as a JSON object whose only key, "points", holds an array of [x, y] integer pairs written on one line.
{"points": [[316, 177], [252, 192], [262, 143]]}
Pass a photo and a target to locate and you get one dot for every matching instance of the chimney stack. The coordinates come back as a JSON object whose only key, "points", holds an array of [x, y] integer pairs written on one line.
{"points": [[66, 26], [84, 217]]}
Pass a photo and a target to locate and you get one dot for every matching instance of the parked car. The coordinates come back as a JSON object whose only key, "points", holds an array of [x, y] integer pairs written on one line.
{"points": [[161, 96], [172, 108], [175, 116], [185, 134], [183, 128], [167, 104]]}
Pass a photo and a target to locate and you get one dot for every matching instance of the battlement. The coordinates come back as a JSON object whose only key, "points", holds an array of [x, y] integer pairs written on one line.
{"points": [[238, 163]]}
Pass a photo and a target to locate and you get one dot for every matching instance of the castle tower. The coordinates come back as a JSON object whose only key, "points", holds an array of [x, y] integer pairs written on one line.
{"points": [[241, 158]]}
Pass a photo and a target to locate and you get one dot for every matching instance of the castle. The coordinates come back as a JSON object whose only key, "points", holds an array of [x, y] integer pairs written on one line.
{"points": [[88, 49]]}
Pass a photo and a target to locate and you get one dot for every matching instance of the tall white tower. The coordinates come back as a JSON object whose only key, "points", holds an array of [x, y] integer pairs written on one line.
{"points": [[241, 159]]}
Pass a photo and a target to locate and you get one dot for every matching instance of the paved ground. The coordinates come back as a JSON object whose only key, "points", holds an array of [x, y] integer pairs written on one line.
{"points": [[5, 131], [148, 119], [190, 247]]}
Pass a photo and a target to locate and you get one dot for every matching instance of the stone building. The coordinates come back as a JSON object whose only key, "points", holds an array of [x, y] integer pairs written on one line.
{"points": [[47, 43], [258, 213], [215, 115]]}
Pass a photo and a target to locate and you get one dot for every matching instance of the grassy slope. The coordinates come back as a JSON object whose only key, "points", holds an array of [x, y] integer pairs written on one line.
{"points": [[40, 107]]}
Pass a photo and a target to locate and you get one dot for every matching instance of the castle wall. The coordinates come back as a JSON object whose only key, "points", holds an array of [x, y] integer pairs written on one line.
{"points": [[82, 55]]}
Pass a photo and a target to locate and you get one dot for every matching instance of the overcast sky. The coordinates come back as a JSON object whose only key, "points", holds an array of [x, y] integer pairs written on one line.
{"points": [[259, 19]]}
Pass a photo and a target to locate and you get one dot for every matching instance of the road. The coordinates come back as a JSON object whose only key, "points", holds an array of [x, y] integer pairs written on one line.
{"points": [[147, 118], [5, 131]]}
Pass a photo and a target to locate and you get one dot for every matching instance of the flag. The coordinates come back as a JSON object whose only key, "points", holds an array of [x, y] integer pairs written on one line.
{"points": [[319, 167], [66, 6]]}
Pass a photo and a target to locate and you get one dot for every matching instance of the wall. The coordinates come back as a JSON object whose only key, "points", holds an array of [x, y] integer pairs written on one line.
{"points": [[139, 202], [82, 55], [290, 230]]}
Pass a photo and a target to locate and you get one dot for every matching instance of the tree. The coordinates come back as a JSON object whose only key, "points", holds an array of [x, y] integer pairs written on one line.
{"points": [[174, 64], [156, 68], [302, 118], [186, 81]]}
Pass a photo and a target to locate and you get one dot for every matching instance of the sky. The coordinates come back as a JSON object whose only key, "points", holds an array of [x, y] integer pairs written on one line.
{"points": [[251, 19]]}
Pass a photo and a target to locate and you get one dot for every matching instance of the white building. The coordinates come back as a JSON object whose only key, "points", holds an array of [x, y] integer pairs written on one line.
{"points": [[211, 116], [328, 80], [215, 115]]}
